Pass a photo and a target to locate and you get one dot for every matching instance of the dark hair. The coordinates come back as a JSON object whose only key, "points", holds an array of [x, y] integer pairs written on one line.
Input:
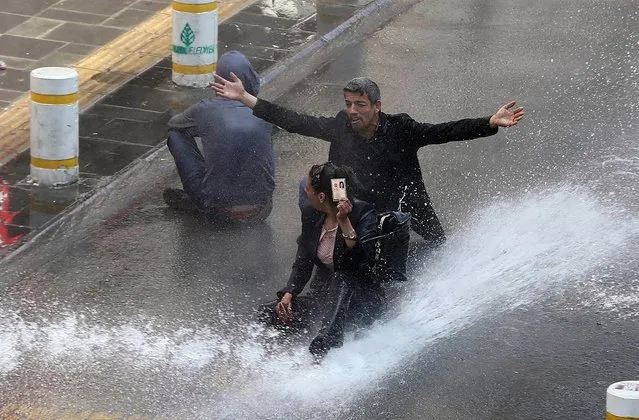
{"points": [[364, 85], [320, 178]]}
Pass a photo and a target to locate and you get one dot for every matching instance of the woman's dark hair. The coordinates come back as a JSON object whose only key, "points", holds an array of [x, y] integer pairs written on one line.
{"points": [[320, 177]]}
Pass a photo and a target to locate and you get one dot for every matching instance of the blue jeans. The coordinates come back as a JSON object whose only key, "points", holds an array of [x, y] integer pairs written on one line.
{"points": [[192, 170], [190, 164]]}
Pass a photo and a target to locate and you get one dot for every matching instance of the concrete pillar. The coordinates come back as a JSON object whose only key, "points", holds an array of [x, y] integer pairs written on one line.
{"points": [[54, 126], [194, 42], [622, 401]]}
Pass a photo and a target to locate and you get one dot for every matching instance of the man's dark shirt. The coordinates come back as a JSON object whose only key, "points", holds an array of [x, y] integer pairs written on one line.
{"points": [[387, 164]]}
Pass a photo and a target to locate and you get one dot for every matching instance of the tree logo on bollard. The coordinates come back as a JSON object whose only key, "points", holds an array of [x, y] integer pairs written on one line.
{"points": [[187, 36]]}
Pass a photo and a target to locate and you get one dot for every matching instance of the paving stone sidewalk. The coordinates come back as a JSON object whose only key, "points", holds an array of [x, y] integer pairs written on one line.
{"points": [[39, 33]]}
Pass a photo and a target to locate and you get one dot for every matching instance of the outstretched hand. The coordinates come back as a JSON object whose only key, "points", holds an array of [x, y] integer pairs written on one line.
{"points": [[507, 117], [233, 89]]}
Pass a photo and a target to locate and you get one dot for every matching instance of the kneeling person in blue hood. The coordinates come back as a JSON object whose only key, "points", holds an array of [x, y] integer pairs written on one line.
{"points": [[234, 176]]}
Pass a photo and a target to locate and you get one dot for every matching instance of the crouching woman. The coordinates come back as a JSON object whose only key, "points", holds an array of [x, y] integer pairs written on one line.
{"points": [[333, 239]]}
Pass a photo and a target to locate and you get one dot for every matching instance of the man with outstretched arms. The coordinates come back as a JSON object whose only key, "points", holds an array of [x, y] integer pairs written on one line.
{"points": [[381, 148]]}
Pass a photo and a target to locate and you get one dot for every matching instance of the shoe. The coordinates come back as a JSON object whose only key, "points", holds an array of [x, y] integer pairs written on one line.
{"points": [[178, 199], [321, 344]]}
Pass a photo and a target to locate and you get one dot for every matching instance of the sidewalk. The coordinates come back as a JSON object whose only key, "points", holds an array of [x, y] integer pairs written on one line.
{"points": [[41, 33], [120, 127]]}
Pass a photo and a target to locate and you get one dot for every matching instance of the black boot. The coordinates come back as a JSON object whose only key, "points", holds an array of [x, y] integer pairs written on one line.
{"points": [[178, 199], [331, 335]]}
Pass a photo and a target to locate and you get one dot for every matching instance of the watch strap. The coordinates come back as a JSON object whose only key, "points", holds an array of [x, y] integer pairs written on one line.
{"points": [[352, 235]]}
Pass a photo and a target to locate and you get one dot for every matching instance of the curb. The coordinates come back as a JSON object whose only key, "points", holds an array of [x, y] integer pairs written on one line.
{"points": [[121, 189], [301, 64]]}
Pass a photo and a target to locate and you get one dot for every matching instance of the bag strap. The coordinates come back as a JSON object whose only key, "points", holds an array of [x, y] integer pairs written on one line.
{"points": [[380, 225], [378, 243]]}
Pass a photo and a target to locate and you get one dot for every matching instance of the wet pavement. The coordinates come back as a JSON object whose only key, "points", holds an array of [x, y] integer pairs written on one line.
{"points": [[529, 311], [45, 33], [131, 122]]}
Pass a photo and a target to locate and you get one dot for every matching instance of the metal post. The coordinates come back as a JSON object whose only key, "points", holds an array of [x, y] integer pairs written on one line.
{"points": [[194, 42], [54, 126], [622, 401]]}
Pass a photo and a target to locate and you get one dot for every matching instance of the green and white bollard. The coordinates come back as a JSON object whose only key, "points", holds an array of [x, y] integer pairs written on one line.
{"points": [[194, 42]]}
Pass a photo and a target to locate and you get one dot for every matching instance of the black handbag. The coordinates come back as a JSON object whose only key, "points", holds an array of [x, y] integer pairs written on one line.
{"points": [[391, 246]]}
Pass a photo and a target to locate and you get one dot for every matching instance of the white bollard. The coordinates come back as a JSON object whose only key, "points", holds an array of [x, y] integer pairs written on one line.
{"points": [[622, 401], [54, 126], [194, 42]]}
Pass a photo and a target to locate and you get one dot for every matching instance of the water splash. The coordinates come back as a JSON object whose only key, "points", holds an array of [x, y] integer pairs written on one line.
{"points": [[508, 254]]}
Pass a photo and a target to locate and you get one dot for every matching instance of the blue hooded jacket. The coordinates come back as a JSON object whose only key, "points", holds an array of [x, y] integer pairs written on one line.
{"points": [[239, 156]]}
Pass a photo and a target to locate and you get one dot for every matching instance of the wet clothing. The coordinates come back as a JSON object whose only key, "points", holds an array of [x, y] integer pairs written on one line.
{"points": [[237, 166], [326, 246], [387, 164], [354, 262], [348, 294]]}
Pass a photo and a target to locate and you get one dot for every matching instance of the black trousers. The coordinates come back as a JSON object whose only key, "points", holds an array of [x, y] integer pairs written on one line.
{"points": [[424, 221], [352, 301]]}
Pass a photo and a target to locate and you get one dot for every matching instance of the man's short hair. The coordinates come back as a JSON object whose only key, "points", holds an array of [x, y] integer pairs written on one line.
{"points": [[364, 85]]}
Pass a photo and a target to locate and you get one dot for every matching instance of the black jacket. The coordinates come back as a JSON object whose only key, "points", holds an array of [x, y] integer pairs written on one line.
{"points": [[354, 262], [386, 165]]}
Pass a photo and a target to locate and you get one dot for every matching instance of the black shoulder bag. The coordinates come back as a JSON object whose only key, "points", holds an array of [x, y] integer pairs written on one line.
{"points": [[391, 246]]}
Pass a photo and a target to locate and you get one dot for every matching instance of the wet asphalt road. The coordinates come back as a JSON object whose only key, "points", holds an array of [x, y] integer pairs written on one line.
{"points": [[529, 311]]}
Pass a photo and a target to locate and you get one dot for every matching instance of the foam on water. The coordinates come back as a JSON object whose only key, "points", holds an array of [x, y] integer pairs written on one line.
{"points": [[507, 255]]}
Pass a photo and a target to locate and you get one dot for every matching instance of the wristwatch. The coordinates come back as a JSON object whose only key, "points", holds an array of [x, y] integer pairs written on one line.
{"points": [[351, 235]]}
